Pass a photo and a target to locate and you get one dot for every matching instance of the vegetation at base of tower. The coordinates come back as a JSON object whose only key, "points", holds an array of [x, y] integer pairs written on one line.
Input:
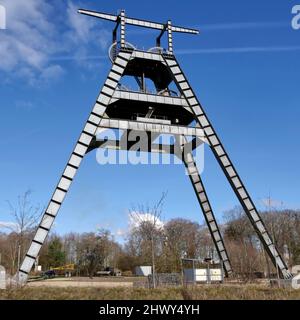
{"points": [[15, 237], [238, 292], [147, 228], [56, 255], [245, 250]]}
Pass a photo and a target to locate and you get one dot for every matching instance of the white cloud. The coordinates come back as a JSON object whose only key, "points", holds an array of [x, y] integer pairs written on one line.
{"points": [[79, 24], [24, 105], [23, 43], [12, 226], [86, 35], [52, 72], [238, 50], [121, 233], [36, 33], [137, 218]]}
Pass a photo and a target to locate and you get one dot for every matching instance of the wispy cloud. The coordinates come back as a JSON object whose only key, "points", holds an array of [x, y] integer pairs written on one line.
{"points": [[137, 218], [237, 50], [121, 232], [192, 52], [38, 41], [12, 226], [35, 33], [24, 105], [243, 26], [227, 26], [78, 58]]}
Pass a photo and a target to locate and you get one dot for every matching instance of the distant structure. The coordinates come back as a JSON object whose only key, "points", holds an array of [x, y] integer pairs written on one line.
{"points": [[2, 278], [143, 271], [296, 269], [164, 111]]}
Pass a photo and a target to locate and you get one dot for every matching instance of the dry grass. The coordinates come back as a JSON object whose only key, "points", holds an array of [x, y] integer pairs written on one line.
{"points": [[192, 293], [240, 292]]}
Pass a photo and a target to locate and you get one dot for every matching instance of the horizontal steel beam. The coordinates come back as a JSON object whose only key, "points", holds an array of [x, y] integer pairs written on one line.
{"points": [[147, 97], [117, 145], [147, 55], [125, 144], [137, 22], [151, 127]]}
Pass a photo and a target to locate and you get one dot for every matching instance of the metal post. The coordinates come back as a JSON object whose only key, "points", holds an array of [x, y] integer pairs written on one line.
{"points": [[19, 258], [170, 40], [182, 272], [123, 21], [114, 37], [208, 274], [158, 43], [273, 234], [143, 83], [222, 270], [153, 264], [277, 271], [194, 273]]}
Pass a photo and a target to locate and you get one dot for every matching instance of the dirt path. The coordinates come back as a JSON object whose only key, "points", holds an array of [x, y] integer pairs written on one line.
{"points": [[63, 283]]}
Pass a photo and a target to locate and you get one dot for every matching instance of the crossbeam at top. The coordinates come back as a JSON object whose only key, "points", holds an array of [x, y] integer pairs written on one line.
{"points": [[137, 22]]}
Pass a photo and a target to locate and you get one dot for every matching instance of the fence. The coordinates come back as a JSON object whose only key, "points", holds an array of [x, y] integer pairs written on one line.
{"points": [[161, 280]]}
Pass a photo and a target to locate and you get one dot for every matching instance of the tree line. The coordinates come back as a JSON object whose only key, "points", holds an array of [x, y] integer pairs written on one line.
{"points": [[152, 242]]}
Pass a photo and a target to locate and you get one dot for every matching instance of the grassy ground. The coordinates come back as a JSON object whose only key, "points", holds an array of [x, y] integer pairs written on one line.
{"points": [[249, 292], [99, 279]]}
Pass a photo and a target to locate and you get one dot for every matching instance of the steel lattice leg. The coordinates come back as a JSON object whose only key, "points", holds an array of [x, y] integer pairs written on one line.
{"points": [[77, 155], [202, 197], [227, 166]]}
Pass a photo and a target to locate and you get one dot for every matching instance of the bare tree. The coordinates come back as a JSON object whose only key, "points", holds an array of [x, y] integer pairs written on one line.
{"points": [[242, 243], [184, 238], [25, 218], [147, 221], [96, 251]]}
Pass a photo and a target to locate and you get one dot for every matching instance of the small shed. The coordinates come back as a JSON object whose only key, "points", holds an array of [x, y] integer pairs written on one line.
{"points": [[296, 282], [143, 271], [2, 278], [203, 275], [296, 269]]}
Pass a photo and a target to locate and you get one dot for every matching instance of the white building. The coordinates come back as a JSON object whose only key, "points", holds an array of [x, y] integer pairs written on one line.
{"points": [[143, 271]]}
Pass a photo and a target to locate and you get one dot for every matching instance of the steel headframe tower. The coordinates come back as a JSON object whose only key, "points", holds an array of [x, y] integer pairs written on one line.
{"points": [[157, 113]]}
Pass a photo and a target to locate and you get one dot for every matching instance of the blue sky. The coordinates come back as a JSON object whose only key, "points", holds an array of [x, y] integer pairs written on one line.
{"points": [[244, 67]]}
